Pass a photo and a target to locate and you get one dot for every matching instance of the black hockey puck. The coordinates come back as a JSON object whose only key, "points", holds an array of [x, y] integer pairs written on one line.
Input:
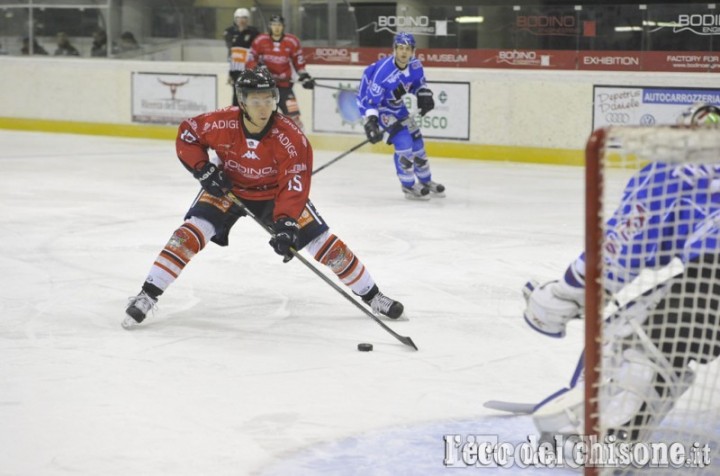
{"points": [[365, 347]]}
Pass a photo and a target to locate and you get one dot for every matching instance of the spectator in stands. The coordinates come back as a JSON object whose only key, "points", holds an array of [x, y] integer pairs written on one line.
{"points": [[128, 42], [64, 47], [99, 45], [37, 49]]}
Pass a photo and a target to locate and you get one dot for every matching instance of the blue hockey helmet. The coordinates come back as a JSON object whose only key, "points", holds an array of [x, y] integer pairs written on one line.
{"points": [[404, 39]]}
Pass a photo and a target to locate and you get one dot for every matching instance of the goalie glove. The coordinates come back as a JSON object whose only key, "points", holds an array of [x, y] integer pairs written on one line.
{"points": [[425, 101], [213, 179], [307, 81], [372, 130], [551, 306]]}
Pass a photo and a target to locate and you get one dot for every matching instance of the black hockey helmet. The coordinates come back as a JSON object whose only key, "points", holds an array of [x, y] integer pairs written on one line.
{"points": [[258, 79], [276, 19]]}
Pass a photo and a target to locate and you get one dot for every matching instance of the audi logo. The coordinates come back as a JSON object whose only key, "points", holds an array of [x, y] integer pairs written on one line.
{"points": [[617, 117]]}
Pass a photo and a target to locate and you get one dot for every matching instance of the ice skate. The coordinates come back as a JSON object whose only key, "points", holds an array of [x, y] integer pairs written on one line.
{"points": [[417, 192], [436, 189], [385, 306], [137, 309]]}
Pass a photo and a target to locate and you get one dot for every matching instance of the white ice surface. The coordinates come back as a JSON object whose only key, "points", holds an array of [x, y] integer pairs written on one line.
{"points": [[250, 365]]}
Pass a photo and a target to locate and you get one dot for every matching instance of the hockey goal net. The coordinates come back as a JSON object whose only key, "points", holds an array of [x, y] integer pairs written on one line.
{"points": [[652, 389]]}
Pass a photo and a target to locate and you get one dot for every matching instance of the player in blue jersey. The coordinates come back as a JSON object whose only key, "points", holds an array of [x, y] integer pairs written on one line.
{"points": [[669, 215], [380, 99]]}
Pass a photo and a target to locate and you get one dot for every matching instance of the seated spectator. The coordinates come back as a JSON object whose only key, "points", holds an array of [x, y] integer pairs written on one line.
{"points": [[99, 45], [128, 42], [37, 49], [64, 47]]}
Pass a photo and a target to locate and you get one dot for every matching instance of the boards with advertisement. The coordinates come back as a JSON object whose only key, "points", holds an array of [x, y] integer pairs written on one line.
{"points": [[169, 98], [686, 61], [335, 109], [647, 106]]}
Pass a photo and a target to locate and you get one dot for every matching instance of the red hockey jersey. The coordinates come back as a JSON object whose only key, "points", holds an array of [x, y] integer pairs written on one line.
{"points": [[277, 166], [278, 56]]}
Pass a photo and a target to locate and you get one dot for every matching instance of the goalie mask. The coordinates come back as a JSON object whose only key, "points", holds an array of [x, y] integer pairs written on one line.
{"points": [[255, 80], [701, 114]]}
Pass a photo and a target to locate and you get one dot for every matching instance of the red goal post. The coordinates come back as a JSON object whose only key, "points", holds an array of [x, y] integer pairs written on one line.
{"points": [[612, 155]]}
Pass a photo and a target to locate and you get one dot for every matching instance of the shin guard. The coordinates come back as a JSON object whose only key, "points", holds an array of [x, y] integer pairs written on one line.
{"points": [[331, 251], [185, 243]]}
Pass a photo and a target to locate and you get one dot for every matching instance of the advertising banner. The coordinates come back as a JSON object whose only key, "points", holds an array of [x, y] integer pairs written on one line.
{"points": [[164, 98], [335, 109], [634, 106], [686, 61]]}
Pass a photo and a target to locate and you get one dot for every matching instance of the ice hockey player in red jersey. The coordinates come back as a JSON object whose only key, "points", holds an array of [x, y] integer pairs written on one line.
{"points": [[266, 161], [281, 52]]}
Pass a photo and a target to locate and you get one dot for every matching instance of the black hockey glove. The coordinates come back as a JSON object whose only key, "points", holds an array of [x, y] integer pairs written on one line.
{"points": [[372, 130], [307, 81], [213, 179], [285, 236], [398, 94], [425, 101]]}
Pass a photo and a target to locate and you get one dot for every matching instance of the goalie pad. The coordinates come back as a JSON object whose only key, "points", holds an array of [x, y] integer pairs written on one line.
{"points": [[638, 390], [551, 305]]}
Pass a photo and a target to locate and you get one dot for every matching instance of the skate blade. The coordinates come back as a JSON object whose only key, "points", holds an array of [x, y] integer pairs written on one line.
{"points": [[421, 198], [129, 323], [403, 317]]}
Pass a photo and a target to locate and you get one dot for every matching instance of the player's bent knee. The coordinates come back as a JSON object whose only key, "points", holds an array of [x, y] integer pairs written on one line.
{"points": [[331, 251], [420, 162], [204, 227]]}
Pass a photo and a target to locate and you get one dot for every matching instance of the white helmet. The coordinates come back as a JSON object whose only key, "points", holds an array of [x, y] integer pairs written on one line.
{"points": [[701, 114], [242, 12]]}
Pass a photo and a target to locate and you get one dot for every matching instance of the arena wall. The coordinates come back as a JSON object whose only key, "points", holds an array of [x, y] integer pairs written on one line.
{"points": [[516, 115]]}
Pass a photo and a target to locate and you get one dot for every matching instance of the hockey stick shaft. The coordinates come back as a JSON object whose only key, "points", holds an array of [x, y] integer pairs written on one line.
{"points": [[405, 122], [347, 152], [337, 88], [405, 340]]}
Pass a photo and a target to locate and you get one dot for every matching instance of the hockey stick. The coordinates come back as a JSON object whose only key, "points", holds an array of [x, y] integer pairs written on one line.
{"points": [[405, 340], [515, 408], [337, 88], [353, 149], [390, 130]]}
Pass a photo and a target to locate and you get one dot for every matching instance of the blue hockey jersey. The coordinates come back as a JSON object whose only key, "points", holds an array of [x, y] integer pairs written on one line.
{"points": [[667, 211], [379, 80]]}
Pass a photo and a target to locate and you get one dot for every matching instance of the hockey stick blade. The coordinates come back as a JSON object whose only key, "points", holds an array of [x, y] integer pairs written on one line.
{"points": [[404, 339], [515, 408]]}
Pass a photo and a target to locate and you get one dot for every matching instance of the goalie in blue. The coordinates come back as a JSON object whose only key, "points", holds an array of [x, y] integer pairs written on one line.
{"points": [[669, 215], [380, 100]]}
